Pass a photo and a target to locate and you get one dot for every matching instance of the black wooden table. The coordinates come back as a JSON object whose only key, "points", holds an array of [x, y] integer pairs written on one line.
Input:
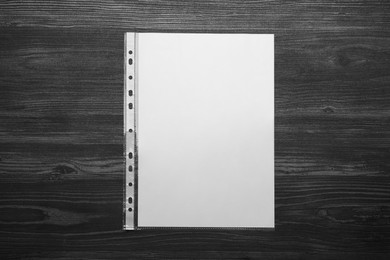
{"points": [[61, 166]]}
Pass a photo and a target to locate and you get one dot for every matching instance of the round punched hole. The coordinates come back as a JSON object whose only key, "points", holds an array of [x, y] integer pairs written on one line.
{"points": [[130, 61], [130, 155], [130, 52], [130, 130], [130, 184], [130, 168], [130, 77], [130, 200], [130, 105], [130, 93], [130, 209]]}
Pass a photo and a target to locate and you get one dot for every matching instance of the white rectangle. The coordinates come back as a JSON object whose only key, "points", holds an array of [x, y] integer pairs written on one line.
{"points": [[205, 130]]}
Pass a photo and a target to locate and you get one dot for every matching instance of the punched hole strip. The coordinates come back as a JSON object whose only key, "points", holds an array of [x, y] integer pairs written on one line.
{"points": [[130, 132]]}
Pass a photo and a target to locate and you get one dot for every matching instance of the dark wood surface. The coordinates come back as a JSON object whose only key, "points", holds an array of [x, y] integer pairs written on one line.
{"points": [[61, 78]]}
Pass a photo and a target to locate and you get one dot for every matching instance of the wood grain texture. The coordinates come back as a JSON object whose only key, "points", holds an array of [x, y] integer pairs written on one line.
{"points": [[61, 166]]}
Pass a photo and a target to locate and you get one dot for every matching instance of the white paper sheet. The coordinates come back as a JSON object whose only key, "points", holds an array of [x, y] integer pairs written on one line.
{"points": [[205, 130]]}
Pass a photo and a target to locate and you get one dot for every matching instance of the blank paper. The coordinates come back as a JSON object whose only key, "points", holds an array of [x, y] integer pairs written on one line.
{"points": [[205, 130]]}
